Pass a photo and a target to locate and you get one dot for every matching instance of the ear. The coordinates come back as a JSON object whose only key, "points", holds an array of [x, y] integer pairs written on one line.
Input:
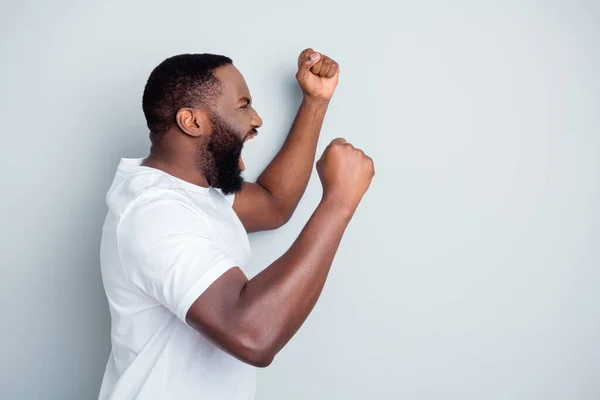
{"points": [[193, 122]]}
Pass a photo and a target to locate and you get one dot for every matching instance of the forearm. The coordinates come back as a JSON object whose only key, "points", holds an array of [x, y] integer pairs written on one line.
{"points": [[274, 304], [286, 177]]}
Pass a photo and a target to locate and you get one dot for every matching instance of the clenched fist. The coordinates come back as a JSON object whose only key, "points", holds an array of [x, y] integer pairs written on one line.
{"points": [[317, 75], [345, 172]]}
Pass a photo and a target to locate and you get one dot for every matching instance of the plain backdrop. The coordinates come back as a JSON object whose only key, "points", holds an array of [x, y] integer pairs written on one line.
{"points": [[471, 268]]}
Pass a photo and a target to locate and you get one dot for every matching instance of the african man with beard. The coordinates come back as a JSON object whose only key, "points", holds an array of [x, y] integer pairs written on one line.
{"points": [[186, 322]]}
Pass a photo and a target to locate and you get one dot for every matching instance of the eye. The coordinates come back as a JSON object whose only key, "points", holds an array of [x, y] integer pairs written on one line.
{"points": [[247, 103]]}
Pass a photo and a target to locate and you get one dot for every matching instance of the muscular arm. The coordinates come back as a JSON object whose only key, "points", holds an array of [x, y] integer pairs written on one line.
{"points": [[253, 319], [271, 201], [280, 186]]}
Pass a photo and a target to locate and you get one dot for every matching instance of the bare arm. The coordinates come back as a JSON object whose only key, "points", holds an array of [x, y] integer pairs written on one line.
{"points": [[286, 177], [280, 186], [254, 319], [270, 202]]}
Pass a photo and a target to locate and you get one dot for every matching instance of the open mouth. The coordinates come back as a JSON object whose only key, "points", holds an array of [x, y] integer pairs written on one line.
{"points": [[250, 137]]}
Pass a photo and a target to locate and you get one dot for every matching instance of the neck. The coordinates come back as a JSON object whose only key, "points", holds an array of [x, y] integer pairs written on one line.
{"points": [[176, 163]]}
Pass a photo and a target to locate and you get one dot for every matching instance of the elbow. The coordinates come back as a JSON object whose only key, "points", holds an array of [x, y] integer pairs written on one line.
{"points": [[255, 351], [283, 217], [276, 221], [261, 361], [281, 212]]}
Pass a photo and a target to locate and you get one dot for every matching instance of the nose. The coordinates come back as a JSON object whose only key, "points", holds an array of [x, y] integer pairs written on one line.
{"points": [[256, 120]]}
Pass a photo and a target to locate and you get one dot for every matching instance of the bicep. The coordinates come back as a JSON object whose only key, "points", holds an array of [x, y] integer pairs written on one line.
{"points": [[257, 209], [221, 315], [215, 312]]}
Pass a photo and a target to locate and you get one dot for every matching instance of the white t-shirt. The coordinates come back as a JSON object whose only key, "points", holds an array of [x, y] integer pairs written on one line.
{"points": [[164, 242]]}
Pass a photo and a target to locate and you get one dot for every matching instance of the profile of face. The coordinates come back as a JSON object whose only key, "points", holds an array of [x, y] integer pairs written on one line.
{"points": [[233, 122]]}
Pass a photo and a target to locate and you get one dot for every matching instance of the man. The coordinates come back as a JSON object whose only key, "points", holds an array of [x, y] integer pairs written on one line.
{"points": [[186, 321]]}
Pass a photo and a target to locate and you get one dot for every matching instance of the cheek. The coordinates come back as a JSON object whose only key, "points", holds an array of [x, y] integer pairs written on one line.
{"points": [[238, 123], [241, 126], [238, 133]]}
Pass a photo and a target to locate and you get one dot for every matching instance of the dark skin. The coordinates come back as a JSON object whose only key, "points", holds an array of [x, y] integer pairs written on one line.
{"points": [[253, 319]]}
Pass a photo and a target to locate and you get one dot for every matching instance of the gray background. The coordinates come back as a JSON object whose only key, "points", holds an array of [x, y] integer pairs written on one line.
{"points": [[470, 270]]}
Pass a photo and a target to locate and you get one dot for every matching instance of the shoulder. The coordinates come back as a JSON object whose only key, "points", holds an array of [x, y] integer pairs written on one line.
{"points": [[160, 214]]}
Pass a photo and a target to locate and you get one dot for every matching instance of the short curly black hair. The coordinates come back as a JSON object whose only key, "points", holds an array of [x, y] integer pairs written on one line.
{"points": [[184, 80]]}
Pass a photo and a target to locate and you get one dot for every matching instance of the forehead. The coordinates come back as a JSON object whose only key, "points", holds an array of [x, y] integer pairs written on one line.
{"points": [[234, 84]]}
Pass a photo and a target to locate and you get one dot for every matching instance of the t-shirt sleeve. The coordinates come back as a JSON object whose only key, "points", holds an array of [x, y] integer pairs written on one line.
{"points": [[167, 251]]}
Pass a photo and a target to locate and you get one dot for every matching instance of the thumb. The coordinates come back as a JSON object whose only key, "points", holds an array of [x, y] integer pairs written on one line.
{"points": [[339, 140], [309, 62]]}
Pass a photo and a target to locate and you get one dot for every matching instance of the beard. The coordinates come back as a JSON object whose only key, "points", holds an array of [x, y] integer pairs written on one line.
{"points": [[218, 157]]}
